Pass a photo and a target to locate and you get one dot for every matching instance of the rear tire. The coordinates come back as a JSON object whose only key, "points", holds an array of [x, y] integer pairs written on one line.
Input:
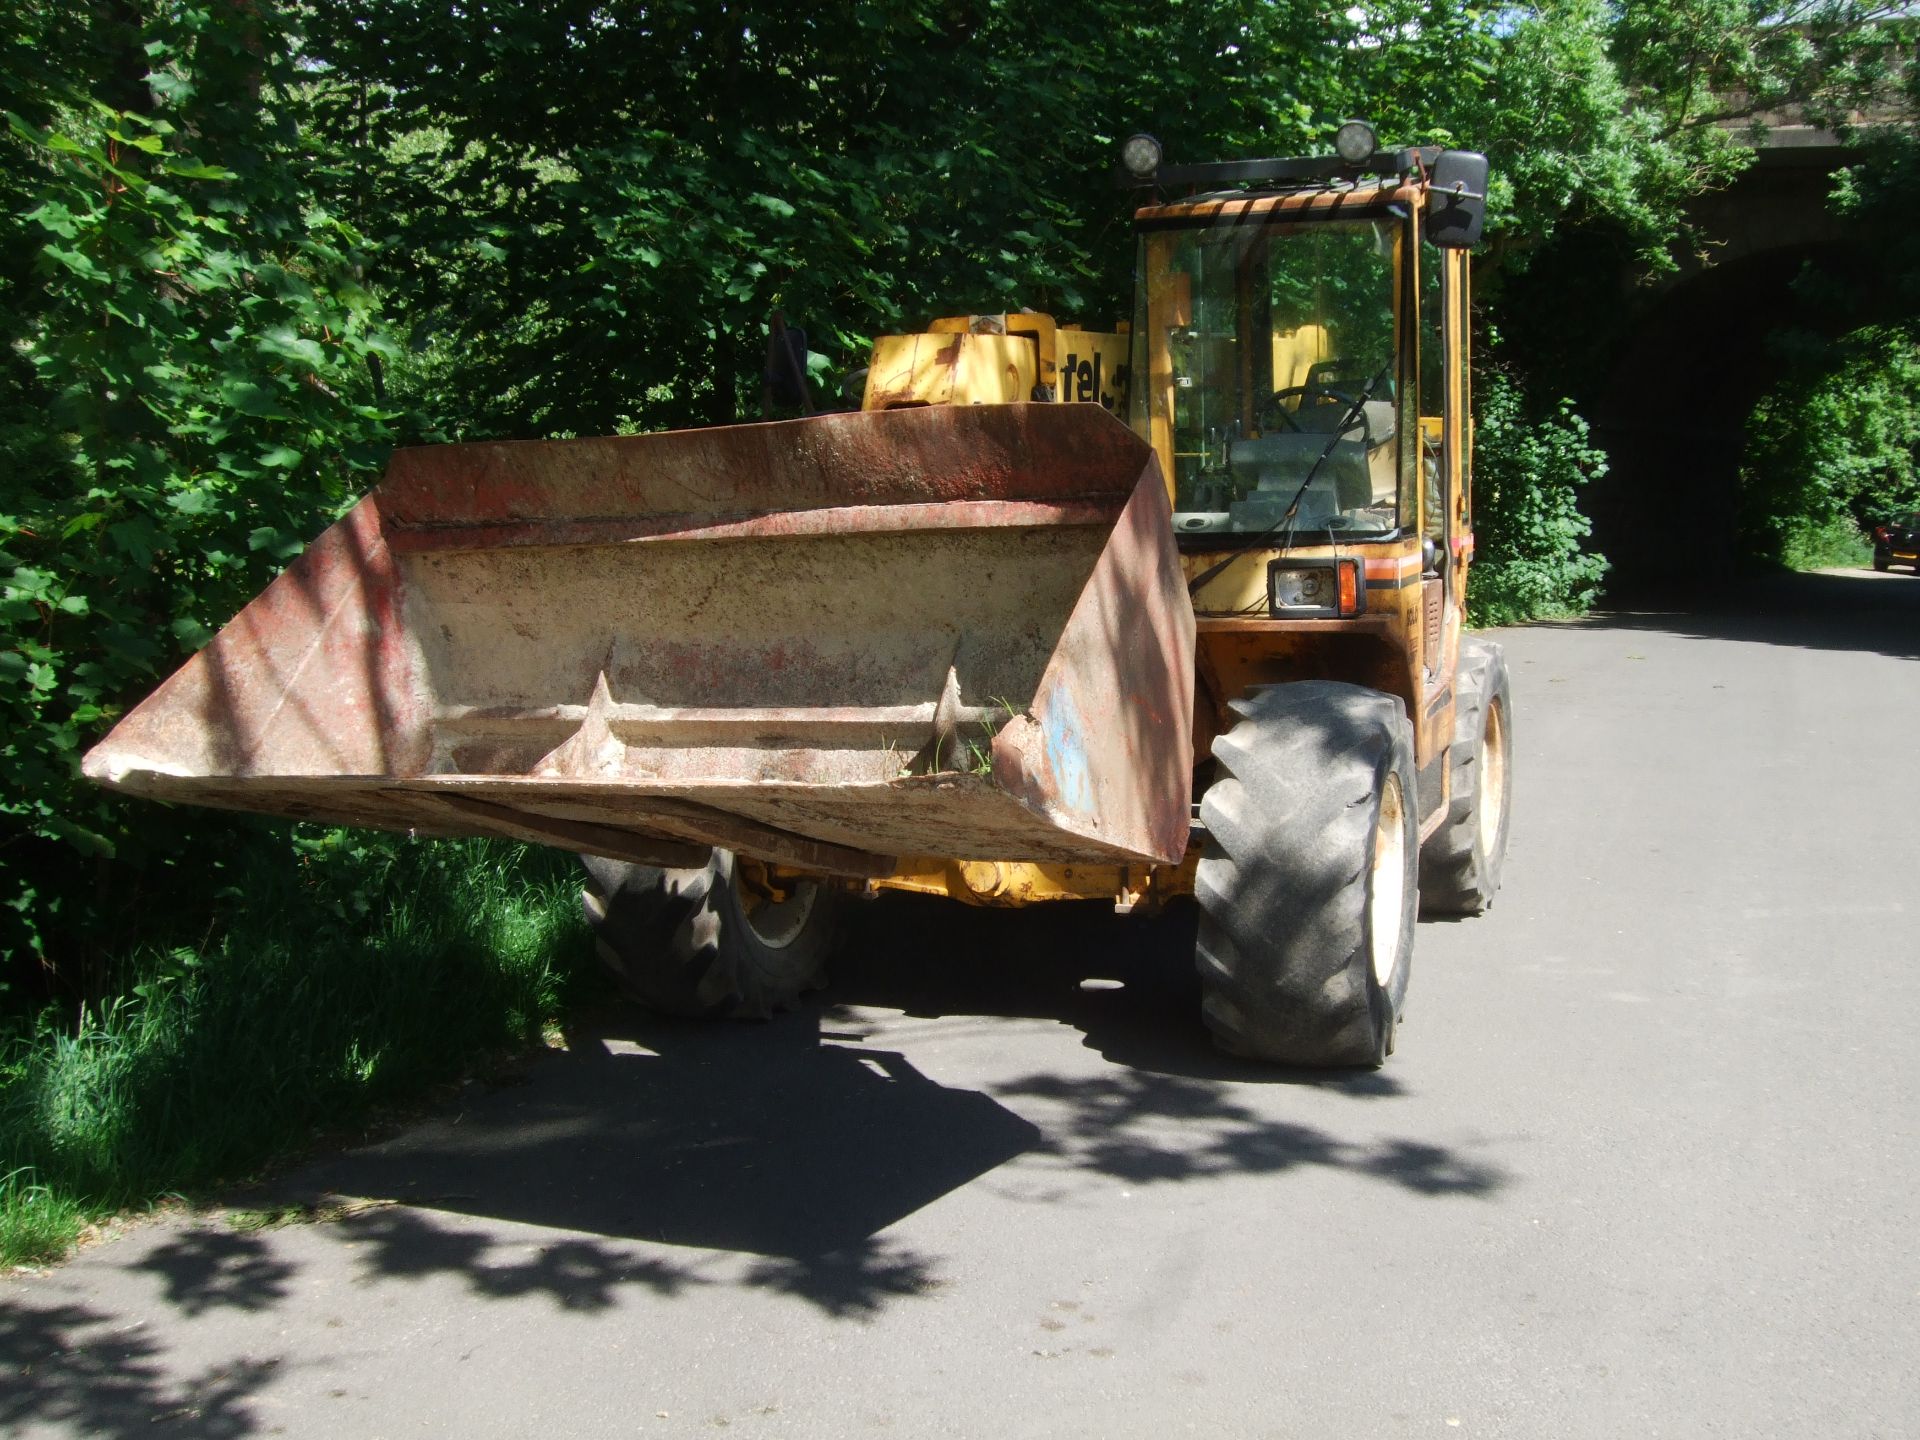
{"points": [[698, 943], [1460, 863], [1307, 884]]}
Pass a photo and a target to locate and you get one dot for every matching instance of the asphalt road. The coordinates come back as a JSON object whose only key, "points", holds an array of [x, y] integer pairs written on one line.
{"points": [[1645, 1163]]}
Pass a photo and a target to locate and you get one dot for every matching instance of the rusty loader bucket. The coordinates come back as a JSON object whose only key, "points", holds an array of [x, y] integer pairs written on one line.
{"points": [[957, 632]]}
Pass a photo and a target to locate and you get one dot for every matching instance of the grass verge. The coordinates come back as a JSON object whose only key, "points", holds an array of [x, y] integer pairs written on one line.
{"points": [[1822, 545], [351, 972], [37, 1226]]}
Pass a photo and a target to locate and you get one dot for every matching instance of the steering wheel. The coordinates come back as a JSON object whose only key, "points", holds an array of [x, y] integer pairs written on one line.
{"points": [[1335, 383], [1278, 411]]}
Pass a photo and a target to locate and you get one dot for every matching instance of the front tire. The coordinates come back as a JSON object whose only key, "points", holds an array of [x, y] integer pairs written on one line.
{"points": [[1307, 884], [1461, 861], [703, 942]]}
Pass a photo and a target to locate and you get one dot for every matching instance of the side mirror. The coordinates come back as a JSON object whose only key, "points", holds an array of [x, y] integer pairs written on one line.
{"points": [[1457, 199]]}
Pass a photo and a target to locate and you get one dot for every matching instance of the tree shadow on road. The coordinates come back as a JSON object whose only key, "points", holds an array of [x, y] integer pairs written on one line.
{"points": [[69, 1364], [766, 1142], [1155, 1129], [217, 1269], [585, 1274]]}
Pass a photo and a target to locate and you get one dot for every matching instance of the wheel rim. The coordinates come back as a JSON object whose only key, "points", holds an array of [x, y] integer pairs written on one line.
{"points": [[776, 924], [1493, 777], [1387, 886]]}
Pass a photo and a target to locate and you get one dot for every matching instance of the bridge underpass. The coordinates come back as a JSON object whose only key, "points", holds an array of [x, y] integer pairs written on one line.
{"points": [[1685, 359]]}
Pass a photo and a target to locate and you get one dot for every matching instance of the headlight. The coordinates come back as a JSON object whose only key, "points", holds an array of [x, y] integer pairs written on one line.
{"points": [[1355, 142], [1140, 155], [1315, 589]]}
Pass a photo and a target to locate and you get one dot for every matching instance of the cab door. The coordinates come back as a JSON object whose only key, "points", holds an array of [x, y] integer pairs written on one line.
{"points": [[1445, 544]]}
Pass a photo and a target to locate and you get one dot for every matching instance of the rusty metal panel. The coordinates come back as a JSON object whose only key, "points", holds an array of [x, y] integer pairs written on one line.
{"points": [[955, 632]]}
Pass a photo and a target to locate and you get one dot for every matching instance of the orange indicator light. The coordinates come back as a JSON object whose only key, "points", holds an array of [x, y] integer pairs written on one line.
{"points": [[1349, 573]]}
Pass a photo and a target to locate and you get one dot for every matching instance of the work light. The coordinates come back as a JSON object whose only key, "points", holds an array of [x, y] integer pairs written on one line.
{"points": [[1140, 155], [1355, 142]]}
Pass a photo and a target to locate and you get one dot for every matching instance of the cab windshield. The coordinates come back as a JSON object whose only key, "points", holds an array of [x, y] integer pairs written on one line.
{"points": [[1269, 352]]}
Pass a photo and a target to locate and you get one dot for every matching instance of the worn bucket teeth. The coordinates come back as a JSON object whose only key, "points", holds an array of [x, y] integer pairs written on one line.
{"points": [[949, 631]]}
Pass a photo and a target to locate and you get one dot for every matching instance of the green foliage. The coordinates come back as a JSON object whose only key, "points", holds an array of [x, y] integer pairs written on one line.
{"points": [[1836, 544], [1674, 87], [186, 400], [626, 199], [1707, 64], [1569, 144], [1834, 449], [1879, 192], [1528, 468], [584, 221], [358, 971]]}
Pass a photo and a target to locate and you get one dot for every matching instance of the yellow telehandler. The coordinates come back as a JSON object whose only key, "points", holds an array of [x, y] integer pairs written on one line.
{"points": [[1057, 614]]}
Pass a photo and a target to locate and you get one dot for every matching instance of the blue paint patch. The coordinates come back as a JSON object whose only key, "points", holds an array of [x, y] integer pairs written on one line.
{"points": [[1066, 741]]}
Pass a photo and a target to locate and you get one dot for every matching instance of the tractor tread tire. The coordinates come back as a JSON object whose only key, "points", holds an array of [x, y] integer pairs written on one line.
{"points": [[1459, 870], [1284, 884], [679, 942]]}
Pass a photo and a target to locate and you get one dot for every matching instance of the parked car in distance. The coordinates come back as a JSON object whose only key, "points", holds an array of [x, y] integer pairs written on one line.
{"points": [[1898, 543]]}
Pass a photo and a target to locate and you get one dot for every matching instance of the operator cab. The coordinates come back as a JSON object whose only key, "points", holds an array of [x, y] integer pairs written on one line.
{"points": [[1272, 374], [1298, 345]]}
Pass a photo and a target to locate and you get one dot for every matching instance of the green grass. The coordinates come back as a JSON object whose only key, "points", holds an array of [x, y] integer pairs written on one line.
{"points": [[37, 1226], [1833, 544], [349, 972]]}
